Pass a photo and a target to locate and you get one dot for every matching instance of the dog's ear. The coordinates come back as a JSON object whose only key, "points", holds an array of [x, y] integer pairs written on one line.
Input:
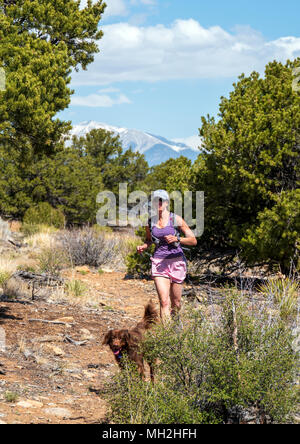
{"points": [[107, 338], [126, 335]]}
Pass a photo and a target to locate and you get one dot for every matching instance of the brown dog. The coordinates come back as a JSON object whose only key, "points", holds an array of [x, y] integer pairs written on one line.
{"points": [[127, 341]]}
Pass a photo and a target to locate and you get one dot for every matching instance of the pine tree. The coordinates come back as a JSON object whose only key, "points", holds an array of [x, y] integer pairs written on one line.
{"points": [[41, 42], [251, 170], [114, 165]]}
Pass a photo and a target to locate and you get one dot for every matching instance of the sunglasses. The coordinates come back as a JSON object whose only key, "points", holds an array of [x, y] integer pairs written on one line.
{"points": [[159, 199]]}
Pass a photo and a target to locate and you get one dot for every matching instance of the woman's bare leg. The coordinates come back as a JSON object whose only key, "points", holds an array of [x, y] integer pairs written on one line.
{"points": [[163, 290], [175, 296]]}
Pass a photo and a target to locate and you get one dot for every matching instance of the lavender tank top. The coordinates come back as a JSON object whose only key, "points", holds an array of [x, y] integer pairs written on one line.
{"points": [[165, 250]]}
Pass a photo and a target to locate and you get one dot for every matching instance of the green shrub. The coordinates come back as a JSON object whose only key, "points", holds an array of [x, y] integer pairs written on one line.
{"points": [[51, 260], [75, 288], [29, 229], [43, 214], [276, 233], [4, 277], [11, 396], [138, 264], [133, 401], [217, 368]]}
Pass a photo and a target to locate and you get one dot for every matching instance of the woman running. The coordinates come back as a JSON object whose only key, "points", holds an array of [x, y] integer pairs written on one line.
{"points": [[168, 262]]}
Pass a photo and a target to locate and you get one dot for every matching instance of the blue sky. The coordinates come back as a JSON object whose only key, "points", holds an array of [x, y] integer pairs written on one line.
{"points": [[165, 63]]}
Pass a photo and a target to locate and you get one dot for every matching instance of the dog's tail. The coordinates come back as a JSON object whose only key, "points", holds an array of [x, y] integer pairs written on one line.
{"points": [[150, 315]]}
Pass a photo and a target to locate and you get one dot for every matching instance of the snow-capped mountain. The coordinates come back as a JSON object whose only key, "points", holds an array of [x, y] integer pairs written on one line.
{"points": [[156, 149]]}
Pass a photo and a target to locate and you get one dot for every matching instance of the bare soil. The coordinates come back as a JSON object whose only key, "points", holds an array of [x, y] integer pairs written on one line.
{"points": [[48, 379]]}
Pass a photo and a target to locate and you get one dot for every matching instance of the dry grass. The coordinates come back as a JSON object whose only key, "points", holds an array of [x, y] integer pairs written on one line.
{"points": [[45, 238], [15, 288], [40, 360], [77, 293], [112, 249], [7, 268], [22, 345], [7, 265], [44, 253]]}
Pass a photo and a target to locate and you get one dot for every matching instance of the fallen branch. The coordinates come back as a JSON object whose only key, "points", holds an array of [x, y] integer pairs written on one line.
{"points": [[4, 298], [235, 331], [49, 322], [41, 278], [72, 341], [76, 418], [38, 280], [16, 244]]}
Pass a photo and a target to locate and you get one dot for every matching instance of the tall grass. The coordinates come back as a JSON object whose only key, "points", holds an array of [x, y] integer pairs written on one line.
{"points": [[75, 288], [285, 294], [39, 236], [7, 268]]}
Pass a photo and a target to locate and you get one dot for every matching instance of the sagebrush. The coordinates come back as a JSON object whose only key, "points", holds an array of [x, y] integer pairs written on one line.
{"points": [[87, 246]]}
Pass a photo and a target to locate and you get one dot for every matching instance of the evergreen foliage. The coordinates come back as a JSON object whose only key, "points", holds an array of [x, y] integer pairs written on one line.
{"points": [[250, 170], [44, 214], [41, 41]]}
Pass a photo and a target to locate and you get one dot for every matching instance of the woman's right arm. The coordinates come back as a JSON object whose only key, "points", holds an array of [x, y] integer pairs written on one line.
{"points": [[148, 242]]}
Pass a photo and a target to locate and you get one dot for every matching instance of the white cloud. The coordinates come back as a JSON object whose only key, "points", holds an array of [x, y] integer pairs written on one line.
{"points": [[183, 50], [97, 100], [289, 45], [114, 7]]}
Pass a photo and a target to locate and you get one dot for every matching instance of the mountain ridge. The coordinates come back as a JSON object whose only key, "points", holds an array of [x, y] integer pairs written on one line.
{"points": [[157, 149]]}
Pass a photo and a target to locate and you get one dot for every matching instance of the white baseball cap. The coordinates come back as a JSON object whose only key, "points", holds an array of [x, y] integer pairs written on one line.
{"points": [[161, 194]]}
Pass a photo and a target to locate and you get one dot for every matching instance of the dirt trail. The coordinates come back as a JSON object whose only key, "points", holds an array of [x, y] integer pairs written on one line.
{"points": [[49, 379]]}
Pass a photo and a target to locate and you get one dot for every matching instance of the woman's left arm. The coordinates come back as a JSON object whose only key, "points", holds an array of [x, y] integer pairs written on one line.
{"points": [[189, 238]]}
